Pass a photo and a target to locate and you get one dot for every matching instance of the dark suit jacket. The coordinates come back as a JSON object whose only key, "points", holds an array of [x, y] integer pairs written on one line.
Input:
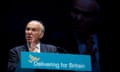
{"points": [[14, 55]]}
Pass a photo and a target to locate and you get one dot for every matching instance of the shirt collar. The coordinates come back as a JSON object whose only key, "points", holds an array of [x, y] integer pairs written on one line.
{"points": [[37, 45]]}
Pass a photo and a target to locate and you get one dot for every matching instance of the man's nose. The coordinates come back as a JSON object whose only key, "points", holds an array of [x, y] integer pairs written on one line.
{"points": [[30, 31]]}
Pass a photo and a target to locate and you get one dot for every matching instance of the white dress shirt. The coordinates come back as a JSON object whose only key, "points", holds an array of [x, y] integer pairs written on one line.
{"points": [[37, 48]]}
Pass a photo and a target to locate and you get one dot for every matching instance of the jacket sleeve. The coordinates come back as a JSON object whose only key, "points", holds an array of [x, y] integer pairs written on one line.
{"points": [[12, 60]]}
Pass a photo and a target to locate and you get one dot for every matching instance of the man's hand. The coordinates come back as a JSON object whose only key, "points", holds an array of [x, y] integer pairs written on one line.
{"points": [[32, 44]]}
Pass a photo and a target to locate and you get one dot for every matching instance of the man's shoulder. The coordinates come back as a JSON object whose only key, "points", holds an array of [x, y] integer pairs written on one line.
{"points": [[19, 47], [48, 45]]}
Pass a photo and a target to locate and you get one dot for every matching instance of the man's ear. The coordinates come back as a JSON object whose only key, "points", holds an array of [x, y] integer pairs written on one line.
{"points": [[41, 35]]}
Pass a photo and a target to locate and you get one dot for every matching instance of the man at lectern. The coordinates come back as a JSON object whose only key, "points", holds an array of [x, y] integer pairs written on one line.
{"points": [[34, 32]]}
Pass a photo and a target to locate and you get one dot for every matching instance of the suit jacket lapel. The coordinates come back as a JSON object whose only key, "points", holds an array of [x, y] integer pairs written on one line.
{"points": [[42, 48], [25, 48]]}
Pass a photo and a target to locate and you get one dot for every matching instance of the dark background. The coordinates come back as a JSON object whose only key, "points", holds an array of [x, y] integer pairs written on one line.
{"points": [[16, 13]]}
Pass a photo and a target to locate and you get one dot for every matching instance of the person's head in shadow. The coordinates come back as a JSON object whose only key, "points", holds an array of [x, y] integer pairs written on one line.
{"points": [[83, 14]]}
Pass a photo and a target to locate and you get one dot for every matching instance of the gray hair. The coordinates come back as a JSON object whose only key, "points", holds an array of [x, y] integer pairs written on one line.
{"points": [[41, 24]]}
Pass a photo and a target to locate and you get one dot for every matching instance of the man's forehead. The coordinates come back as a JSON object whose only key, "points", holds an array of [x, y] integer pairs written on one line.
{"points": [[34, 22]]}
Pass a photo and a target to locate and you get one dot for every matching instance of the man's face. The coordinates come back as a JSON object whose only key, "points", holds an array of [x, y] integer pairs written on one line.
{"points": [[83, 14], [33, 32]]}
